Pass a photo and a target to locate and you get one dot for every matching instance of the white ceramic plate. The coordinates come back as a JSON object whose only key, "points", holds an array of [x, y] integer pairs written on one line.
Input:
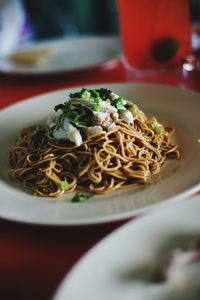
{"points": [[66, 55], [120, 266], [177, 179]]}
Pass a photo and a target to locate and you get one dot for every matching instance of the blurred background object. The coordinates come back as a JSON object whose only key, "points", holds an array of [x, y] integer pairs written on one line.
{"points": [[195, 10], [12, 21], [53, 18], [151, 35], [32, 20], [195, 16]]}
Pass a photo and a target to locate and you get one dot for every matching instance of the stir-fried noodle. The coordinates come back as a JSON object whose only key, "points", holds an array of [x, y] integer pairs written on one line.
{"points": [[122, 157]]}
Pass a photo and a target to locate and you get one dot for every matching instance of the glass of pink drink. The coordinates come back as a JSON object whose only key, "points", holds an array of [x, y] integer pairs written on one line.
{"points": [[156, 34]]}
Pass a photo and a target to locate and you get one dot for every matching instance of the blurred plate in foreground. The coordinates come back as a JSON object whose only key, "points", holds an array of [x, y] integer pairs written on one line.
{"points": [[155, 257]]}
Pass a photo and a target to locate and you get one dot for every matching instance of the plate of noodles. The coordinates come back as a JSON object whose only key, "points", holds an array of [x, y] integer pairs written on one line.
{"points": [[61, 55], [98, 153], [151, 262]]}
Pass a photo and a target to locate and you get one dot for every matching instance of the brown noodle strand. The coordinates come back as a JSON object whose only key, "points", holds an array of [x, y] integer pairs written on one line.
{"points": [[124, 157]]}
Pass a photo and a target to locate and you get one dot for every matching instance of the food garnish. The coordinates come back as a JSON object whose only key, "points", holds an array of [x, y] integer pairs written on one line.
{"points": [[82, 197]]}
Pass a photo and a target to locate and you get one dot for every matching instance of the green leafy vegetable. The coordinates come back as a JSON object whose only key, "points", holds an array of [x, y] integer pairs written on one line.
{"points": [[78, 115], [59, 106], [64, 185], [94, 94], [118, 103], [82, 197], [84, 93], [102, 94], [96, 107]]}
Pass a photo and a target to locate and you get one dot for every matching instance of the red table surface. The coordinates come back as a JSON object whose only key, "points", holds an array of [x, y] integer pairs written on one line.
{"points": [[33, 258]]}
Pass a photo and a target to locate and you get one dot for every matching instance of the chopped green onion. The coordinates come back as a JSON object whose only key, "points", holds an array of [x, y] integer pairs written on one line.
{"points": [[118, 103], [82, 197], [78, 115], [59, 106], [82, 94], [101, 94], [94, 94], [155, 125], [64, 184], [86, 95], [104, 93], [96, 107]]}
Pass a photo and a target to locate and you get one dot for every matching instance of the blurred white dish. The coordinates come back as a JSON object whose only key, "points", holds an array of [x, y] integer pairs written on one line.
{"points": [[122, 265], [65, 55], [177, 179]]}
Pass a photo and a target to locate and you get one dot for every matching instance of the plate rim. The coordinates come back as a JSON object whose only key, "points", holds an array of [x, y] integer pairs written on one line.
{"points": [[98, 84]]}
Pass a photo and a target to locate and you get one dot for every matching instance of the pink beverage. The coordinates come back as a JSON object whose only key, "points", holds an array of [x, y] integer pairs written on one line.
{"points": [[155, 33]]}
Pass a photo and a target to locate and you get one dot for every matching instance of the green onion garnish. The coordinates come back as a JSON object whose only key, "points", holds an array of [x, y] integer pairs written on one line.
{"points": [[82, 197], [64, 184]]}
